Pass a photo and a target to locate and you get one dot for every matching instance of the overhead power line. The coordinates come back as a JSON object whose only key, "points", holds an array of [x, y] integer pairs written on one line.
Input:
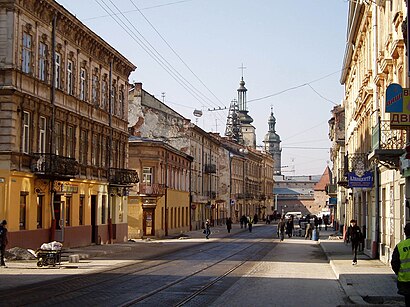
{"points": [[144, 8], [152, 52]]}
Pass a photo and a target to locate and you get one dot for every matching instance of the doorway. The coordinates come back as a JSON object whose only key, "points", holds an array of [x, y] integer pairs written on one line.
{"points": [[149, 222], [94, 209]]}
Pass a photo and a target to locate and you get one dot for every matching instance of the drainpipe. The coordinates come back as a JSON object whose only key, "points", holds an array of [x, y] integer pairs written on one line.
{"points": [[190, 196], [166, 194], [53, 225], [110, 195], [375, 243]]}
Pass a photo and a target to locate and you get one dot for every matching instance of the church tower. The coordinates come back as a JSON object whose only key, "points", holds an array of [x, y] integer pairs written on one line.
{"points": [[272, 144], [247, 129]]}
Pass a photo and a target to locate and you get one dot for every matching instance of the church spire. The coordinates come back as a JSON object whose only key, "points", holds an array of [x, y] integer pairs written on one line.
{"points": [[272, 143]]}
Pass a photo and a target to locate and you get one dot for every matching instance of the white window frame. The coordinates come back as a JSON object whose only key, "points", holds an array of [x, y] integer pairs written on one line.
{"points": [[26, 132], [57, 70], [42, 61], [82, 83], [70, 141], [26, 53], [70, 89], [147, 175], [42, 135]]}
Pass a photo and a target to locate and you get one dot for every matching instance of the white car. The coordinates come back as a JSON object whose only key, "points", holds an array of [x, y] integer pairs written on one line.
{"points": [[296, 214]]}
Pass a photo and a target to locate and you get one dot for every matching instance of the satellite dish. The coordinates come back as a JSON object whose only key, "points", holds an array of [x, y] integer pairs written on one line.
{"points": [[198, 113]]}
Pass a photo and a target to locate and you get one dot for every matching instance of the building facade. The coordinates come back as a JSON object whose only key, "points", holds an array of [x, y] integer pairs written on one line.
{"points": [[63, 123], [159, 205], [374, 59]]}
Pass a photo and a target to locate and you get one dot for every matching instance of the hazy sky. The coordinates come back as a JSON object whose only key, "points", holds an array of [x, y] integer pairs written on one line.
{"points": [[191, 50]]}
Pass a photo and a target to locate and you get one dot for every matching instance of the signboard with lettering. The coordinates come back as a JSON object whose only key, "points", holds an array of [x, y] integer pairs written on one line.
{"points": [[394, 98], [365, 181], [398, 105]]}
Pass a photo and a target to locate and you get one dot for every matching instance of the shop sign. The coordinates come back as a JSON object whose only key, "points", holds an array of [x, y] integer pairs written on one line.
{"points": [[364, 181]]}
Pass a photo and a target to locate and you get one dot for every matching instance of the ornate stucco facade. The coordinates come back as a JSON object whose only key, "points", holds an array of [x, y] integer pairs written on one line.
{"points": [[374, 58], [63, 123]]}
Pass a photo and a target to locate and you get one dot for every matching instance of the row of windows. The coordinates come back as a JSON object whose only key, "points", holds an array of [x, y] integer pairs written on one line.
{"points": [[60, 211], [64, 138], [178, 180], [100, 84]]}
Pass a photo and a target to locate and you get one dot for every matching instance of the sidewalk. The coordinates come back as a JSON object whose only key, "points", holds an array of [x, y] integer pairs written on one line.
{"points": [[370, 281]]}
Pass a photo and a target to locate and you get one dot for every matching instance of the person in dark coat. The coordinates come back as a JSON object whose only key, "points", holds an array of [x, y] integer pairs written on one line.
{"points": [[289, 227], [3, 242], [255, 219], [400, 264], [354, 235], [207, 229], [229, 224], [281, 229]]}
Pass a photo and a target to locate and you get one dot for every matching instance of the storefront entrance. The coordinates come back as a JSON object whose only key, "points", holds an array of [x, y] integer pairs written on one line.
{"points": [[149, 222]]}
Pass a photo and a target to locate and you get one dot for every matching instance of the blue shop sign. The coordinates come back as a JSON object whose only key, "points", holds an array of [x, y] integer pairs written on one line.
{"points": [[333, 201], [365, 181]]}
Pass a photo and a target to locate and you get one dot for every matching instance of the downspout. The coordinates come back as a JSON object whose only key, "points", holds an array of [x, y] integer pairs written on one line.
{"points": [[53, 225], [166, 195], [110, 232], [375, 243], [190, 195]]}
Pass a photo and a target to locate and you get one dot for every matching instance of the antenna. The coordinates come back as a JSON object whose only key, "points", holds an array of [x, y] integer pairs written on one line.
{"points": [[163, 97]]}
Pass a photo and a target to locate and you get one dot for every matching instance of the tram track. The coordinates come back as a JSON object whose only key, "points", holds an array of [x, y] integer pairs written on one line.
{"points": [[80, 289]]}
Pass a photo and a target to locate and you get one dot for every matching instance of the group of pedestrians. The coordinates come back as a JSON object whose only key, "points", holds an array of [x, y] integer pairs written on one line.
{"points": [[244, 221], [285, 227]]}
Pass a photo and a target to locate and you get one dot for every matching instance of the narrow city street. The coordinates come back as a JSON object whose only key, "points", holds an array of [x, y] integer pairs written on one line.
{"points": [[242, 269]]}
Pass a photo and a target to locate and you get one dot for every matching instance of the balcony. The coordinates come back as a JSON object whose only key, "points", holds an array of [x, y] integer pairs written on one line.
{"points": [[387, 145], [331, 190], [240, 196], [212, 195], [122, 177], [154, 189], [341, 177], [52, 166], [210, 168]]}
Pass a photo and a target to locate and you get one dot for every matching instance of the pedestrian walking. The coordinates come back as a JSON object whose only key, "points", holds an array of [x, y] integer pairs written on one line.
{"points": [[3, 242], [309, 229], [400, 263], [281, 229], [250, 221], [289, 227], [255, 219], [354, 235], [207, 230], [229, 224], [326, 221], [316, 222]]}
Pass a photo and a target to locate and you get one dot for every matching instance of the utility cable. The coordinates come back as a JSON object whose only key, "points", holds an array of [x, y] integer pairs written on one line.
{"points": [[144, 8], [146, 48], [176, 54], [165, 62]]}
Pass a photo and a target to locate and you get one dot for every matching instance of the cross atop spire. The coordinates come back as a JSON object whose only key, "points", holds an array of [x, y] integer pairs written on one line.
{"points": [[271, 108], [242, 68]]}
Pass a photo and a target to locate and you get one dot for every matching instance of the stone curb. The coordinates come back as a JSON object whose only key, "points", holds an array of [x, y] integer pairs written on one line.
{"points": [[350, 291]]}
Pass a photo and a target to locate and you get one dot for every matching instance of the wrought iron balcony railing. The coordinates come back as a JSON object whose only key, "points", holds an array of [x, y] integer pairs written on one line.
{"points": [[331, 189], [383, 137], [153, 189], [341, 177], [121, 176], [210, 168], [54, 166]]}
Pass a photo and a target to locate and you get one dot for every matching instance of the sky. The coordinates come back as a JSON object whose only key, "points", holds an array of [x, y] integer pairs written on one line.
{"points": [[189, 54]]}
